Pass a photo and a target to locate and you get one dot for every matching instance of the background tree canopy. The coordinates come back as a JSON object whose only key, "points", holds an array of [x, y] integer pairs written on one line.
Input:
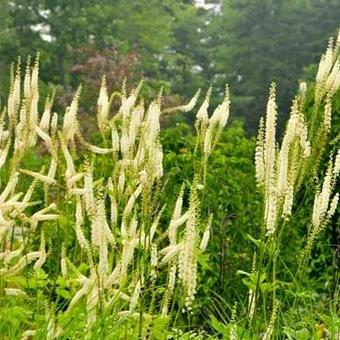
{"points": [[180, 45]]}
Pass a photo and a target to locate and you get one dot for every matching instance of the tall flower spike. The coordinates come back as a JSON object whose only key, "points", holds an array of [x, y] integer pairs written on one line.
{"points": [[100, 228], [251, 294], [129, 102], [336, 169], [325, 64], [172, 231], [259, 155], [206, 234], [333, 205], [187, 107], [290, 135], [324, 207], [4, 153], [70, 119], [114, 138], [9, 188], [63, 265], [327, 118], [154, 261], [34, 94], [270, 139], [188, 257], [221, 113], [131, 202], [13, 104], [202, 113], [35, 75], [114, 206], [326, 191], [103, 107], [89, 186], [79, 221], [27, 81], [295, 149], [47, 139], [269, 163], [216, 124], [328, 75], [135, 122], [54, 124], [43, 178], [46, 116]]}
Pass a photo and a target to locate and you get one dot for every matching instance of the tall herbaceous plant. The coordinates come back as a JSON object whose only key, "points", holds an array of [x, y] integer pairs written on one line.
{"points": [[85, 235], [98, 209], [282, 169]]}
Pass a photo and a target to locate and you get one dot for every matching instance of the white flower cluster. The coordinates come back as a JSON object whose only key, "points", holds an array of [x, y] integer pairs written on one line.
{"points": [[279, 171]]}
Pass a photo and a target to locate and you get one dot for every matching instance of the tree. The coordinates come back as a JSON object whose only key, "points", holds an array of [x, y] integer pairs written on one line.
{"points": [[60, 29], [259, 41]]}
